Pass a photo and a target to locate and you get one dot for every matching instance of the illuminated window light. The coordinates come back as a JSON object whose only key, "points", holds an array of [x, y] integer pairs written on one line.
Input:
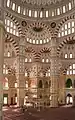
{"points": [[58, 34], [70, 72], [70, 6], [15, 99], [42, 60], [73, 66], [26, 84], [73, 72], [69, 31], [66, 55], [6, 71], [67, 72], [46, 13], [58, 11], [5, 100], [33, 41], [64, 9], [13, 6], [52, 13], [49, 74], [72, 30], [11, 31], [70, 67], [8, 3], [62, 33], [72, 23], [47, 60], [26, 59], [19, 9], [65, 26], [29, 13], [70, 55], [7, 29], [8, 54], [30, 60], [41, 14], [40, 41], [25, 74], [69, 24], [11, 25], [15, 85], [35, 14], [24, 12]]}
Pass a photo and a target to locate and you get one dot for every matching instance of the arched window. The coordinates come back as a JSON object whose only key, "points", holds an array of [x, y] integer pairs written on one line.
{"points": [[49, 83], [24, 12], [8, 3], [66, 56], [40, 84], [52, 13], [67, 28], [71, 55], [13, 6], [8, 54], [16, 85], [71, 70], [26, 74], [58, 11], [46, 84], [48, 73], [35, 14], [41, 14], [29, 13], [74, 84], [19, 8], [5, 83], [70, 6], [5, 70], [30, 60], [64, 9], [26, 84], [26, 59], [46, 13], [69, 83], [47, 60], [69, 99], [42, 60], [11, 27]]}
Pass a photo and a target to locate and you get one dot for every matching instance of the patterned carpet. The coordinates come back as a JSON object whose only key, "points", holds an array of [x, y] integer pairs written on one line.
{"points": [[62, 113]]}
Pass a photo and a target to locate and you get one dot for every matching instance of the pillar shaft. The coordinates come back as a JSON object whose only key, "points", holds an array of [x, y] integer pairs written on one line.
{"points": [[20, 90], [1, 67], [54, 74], [62, 92], [20, 77]]}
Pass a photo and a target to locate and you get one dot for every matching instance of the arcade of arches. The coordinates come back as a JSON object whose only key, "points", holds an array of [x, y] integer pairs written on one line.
{"points": [[37, 52]]}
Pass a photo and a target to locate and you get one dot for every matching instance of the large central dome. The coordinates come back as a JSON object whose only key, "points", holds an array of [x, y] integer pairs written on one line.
{"points": [[41, 2]]}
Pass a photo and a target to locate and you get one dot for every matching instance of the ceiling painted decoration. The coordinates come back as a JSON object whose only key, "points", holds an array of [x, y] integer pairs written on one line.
{"points": [[41, 2]]}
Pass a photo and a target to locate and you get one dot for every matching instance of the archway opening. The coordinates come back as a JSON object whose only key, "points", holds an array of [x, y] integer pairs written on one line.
{"points": [[69, 99], [69, 83], [40, 84]]}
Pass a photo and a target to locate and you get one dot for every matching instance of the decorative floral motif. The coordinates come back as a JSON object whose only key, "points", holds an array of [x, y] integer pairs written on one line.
{"points": [[41, 2]]}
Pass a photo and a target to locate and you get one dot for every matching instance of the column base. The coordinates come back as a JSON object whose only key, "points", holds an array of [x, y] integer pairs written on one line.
{"points": [[54, 101]]}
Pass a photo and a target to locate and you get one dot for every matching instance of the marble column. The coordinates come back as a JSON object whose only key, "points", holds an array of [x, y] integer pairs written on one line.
{"points": [[2, 35], [1, 65], [20, 90], [62, 92], [20, 75], [54, 73]]}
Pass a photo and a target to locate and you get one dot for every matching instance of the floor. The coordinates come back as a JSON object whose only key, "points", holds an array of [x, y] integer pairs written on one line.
{"points": [[62, 113]]}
